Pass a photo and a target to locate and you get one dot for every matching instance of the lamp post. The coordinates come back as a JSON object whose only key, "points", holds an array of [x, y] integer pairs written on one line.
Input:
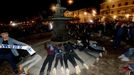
{"points": [[70, 2], [53, 8]]}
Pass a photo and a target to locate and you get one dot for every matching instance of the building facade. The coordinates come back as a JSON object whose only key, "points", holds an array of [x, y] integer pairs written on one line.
{"points": [[117, 8], [85, 15]]}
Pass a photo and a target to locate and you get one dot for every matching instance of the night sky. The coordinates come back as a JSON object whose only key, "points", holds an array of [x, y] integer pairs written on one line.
{"points": [[20, 9]]}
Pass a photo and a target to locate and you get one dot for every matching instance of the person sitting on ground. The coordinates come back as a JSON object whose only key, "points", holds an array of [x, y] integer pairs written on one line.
{"points": [[127, 55]]}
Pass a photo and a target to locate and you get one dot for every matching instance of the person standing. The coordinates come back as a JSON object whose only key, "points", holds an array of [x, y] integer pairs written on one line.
{"points": [[9, 54]]}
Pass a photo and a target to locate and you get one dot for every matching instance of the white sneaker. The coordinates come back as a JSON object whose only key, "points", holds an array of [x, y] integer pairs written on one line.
{"points": [[125, 59], [121, 56], [86, 66], [77, 68], [62, 69], [54, 71], [67, 71]]}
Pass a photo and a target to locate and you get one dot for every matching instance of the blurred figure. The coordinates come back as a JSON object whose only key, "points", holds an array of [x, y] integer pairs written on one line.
{"points": [[131, 32], [67, 56], [120, 32], [127, 55], [9, 54], [58, 56], [49, 59]]}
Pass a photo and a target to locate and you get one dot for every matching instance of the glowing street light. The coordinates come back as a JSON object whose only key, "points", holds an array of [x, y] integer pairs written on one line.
{"points": [[94, 12], [127, 15], [13, 24], [91, 21], [54, 8], [85, 13], [70, 2], [114, 17]]}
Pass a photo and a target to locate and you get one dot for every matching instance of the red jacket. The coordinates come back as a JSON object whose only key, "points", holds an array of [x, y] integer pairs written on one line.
{"points": [[50, 50]]}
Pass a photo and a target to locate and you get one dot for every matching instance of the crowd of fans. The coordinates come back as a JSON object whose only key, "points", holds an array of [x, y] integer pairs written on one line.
{"points": [[117, 30], [24, 30]]}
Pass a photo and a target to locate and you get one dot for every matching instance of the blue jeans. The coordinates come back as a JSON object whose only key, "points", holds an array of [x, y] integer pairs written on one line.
{"points": [[10, 58], [129, 53], [131, 65], [49, 60], [118, 37]]}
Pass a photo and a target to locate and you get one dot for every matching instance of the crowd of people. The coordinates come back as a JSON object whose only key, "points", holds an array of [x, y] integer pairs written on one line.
{"points": [[118, 31], [21, 30]]}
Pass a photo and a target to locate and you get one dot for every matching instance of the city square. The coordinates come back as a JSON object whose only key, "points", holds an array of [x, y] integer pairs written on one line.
{"points": [[67, 37]]}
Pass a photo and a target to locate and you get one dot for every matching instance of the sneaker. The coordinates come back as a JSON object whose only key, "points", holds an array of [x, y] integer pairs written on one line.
{"points": [[54, 71], [121, 56], [67, 71], [62, 69], [125, 59], [77, 69], [86, 66]]}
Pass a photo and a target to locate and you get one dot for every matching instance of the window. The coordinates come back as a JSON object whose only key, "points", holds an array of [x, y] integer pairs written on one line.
{"points": [[107, 6], [112, 12], [126, 3], [132, 10], [113, 6], [101, 7], [119, 4], [133, 2], [118, 11]]}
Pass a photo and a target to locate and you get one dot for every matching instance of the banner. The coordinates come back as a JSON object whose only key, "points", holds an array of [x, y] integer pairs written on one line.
{"points": [[30, 50]]}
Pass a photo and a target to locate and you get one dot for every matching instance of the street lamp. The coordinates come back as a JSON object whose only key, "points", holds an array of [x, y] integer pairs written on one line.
{"points": [[53, 8], [94, 13], [85, 13], [114, 17], [70, 2], [127, 15]]}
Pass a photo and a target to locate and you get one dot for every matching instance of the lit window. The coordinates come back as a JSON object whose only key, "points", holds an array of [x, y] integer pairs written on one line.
{"points": [[133, 2], [112, 12], [107, 6], [126, 3], [119, 11], [119, 4], [113, 6]]}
